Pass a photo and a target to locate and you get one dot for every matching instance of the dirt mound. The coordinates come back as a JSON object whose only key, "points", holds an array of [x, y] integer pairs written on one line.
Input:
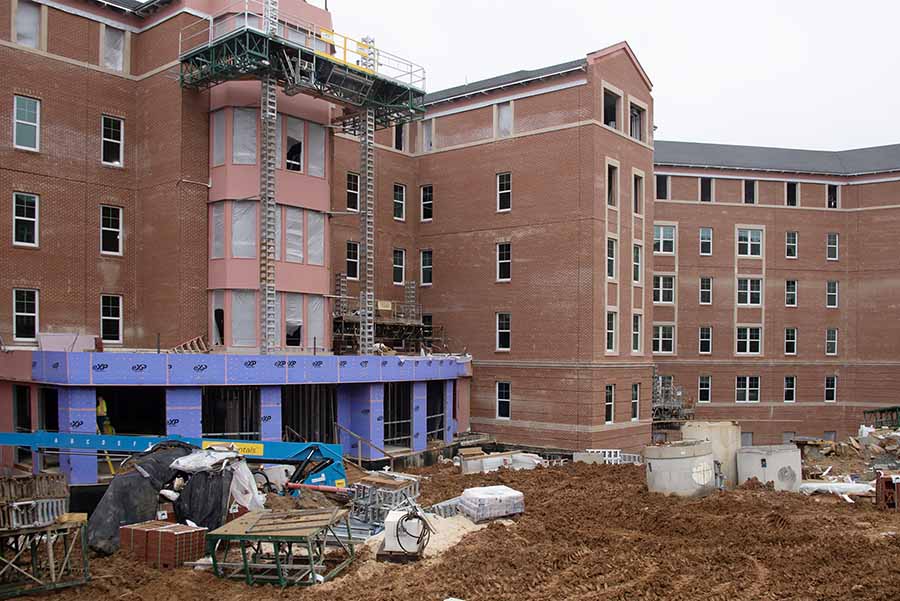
{"points": [[594, 532]]}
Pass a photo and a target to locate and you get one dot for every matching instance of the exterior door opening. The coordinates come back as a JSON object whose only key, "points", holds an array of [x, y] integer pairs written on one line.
{"points": [[309, 412], [436, 419], [231, 412], [134, 409], [397, 415]]}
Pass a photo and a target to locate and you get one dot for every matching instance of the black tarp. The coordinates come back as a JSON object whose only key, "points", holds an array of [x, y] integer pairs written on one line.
{"points": [[204, 499], [133, 495]]}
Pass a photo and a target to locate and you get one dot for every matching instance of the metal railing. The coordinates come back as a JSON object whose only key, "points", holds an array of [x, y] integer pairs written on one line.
{"points": [[248, 15], [395, 310], [339, 429]]}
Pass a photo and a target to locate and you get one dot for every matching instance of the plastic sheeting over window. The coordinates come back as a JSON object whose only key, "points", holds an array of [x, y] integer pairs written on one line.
{"points": [[243, 317], [316, 237], [293, 319], [218, 317], [295, 144], [504, 119], [28, 24], [294, 244], [218, 231], [316, 329], [316, 150], [218, 154], [278, 320], [243, 151], [278, 232], [279, 162], [114, 48], [243, 229]]}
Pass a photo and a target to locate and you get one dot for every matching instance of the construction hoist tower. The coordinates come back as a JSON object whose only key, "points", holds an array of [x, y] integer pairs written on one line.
{"points": [[375, 89]]}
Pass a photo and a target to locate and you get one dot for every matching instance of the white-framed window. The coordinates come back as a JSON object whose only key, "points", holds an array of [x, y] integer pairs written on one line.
{"points": [[790, 341], [504, 119], [503, 400], [662, 187], [399, 266], [790, 293], [749, 340], [663, 289], [26, 219], [706, 241], [790, 245], [611, 319], [706, 189], [110, 230], [664, 239], [635, 401], [664, 339], [791, 194], [750, 191], [111, 318], [831, 341], [352, 191], [504, 331], [25, 314], [749, 242], [790, 389], [833, 196], [504, 261], [749, 292], [113, 144], [831, 294], [400, 202], [636, 320], [28, 24], [612, 185], [611, 247], [831, 389], [746, 389], [636, 270], [425, 267], [704, 389], [609, 404], [426, 197], [27, 123], [705, 337], [637, 193], [706, 284], [504, 192], [831, 246], [293, 160], [114, 48], [352, 260], [637, 119]]}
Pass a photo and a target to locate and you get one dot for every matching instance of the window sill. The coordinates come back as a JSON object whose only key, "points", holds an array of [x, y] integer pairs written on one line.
{"points": [[26, 340], [790, 258], [789, 402], [424, 285], [501, 350], [504, 210], [832, 260], [349, 279], [425, 221], [399, 220], [746, 402], [113, 165], [104, 253], [659, 253], [502, 281], [608, 423], [26, 149], [705, 304], [399, 283], [758, 257], [830, 402], [502, 419], [349, 210], [705, 254], [25, 246]]}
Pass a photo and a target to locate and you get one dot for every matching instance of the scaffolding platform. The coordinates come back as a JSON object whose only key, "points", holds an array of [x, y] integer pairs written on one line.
{"points": [[45, 558], [302, 58], [301, 547]]}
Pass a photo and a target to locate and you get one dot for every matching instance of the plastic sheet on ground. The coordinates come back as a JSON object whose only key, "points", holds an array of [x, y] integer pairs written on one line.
{"points": [[489, 502], [836, 488]]}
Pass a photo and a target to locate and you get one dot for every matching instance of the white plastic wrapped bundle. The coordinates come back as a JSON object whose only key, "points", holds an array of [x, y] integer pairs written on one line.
{"points": [[490, 502]]}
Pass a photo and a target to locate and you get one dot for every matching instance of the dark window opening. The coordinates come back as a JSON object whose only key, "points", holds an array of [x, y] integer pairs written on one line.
{"points": [[610, 109], [705, 189], [749, 191], [435, 416], [294, 160], [309, 412], [662, 187], [832, 196], [231, 412], [398, 136], [134, 409], [219, 320], [398, 414], [612, 184], [637, 122], [791, 199]]}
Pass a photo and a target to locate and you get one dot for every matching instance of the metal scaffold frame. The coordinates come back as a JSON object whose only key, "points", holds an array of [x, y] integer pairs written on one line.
{"points": [[251, 40]]}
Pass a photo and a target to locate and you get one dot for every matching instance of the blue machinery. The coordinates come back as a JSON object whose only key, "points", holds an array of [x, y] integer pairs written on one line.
{"points": [[317, 463]]}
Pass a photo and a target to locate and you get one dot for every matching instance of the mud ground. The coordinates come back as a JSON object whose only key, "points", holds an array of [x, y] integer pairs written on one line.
{"points": [[594, 532]]}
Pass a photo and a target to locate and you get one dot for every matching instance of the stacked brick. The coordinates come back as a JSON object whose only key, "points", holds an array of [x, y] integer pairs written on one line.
{"points": [[162, 544]]}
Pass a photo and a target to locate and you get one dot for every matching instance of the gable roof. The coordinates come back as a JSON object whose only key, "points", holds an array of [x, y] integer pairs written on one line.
{"points": [[858, 161], [501, 81], [623, 45]]}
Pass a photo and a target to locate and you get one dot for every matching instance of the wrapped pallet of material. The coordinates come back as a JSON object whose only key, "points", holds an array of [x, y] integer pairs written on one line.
{"points": [[490, 502]]}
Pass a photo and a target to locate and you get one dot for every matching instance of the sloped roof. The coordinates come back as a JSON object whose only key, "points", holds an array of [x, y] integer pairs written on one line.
{"points": [[503, 80], [140, 8], [857, 161]]}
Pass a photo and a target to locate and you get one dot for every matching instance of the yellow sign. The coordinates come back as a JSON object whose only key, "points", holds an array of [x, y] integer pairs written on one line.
{"points": [[244, 448], [340, 483]]}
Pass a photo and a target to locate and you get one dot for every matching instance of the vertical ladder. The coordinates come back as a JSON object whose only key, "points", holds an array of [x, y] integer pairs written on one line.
{"points": [[367, 231], [409, 300], [342, 292], [268, 112]]}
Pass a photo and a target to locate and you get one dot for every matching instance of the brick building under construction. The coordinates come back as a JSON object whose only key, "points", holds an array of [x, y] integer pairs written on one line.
{"points": [[210, 184]]}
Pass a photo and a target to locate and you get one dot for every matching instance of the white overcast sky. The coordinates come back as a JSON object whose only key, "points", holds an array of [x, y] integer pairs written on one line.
{"points": [[795, 73]]}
